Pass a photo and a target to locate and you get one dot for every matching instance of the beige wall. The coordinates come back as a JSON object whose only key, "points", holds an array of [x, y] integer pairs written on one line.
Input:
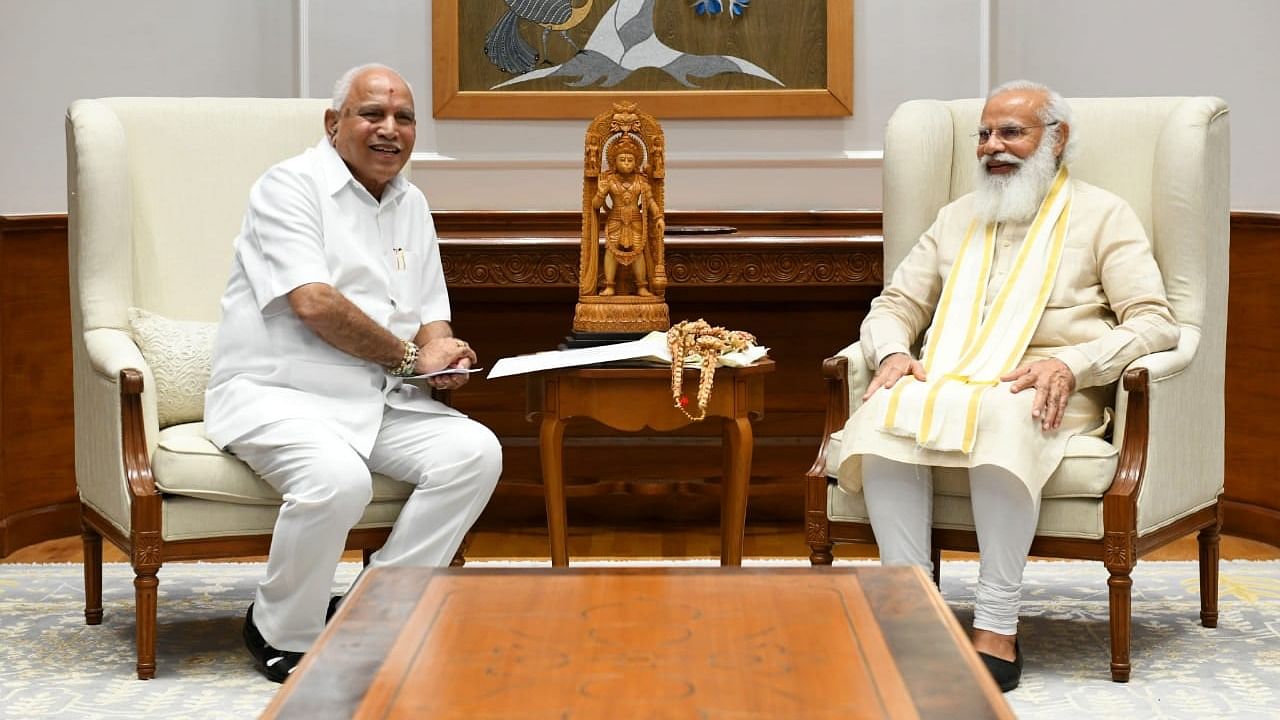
{"points": [[54, 52]]}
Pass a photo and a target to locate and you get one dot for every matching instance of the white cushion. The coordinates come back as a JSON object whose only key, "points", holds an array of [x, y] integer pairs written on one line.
{"points": [[189, 518], [179, 353], [1086, 470], [1059, 517], [188, 463]]}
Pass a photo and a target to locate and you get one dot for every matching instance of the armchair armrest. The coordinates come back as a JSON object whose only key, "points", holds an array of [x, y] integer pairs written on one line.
{"points": [[1132, 430], [858, 374], [136, 446], [111, 351], [1162, 366], [1183, 419], [103, 481], [1121, 498], [1171, 370], [846, 376]]}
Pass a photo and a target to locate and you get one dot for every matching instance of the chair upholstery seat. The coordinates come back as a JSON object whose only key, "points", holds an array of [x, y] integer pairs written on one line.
{"points": [[1070, 517], [1071, 501], [1086, 470], [188, 463], [192, 518]]}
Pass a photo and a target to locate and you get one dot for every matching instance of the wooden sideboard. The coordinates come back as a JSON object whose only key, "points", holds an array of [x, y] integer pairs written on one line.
{"points": [[1251, 501], [801, 281], [37, 464]]}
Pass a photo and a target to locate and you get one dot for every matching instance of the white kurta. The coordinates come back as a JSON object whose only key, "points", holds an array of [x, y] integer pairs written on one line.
{"points": [[309, 220], [1107, 308]]}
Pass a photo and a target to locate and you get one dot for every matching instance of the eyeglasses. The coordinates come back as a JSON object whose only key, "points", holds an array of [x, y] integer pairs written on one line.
{"points": [[1007, 133]]}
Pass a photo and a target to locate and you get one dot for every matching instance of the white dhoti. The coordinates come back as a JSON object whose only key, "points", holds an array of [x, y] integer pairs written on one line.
{"points": [[1007, 437], [454, 462]]}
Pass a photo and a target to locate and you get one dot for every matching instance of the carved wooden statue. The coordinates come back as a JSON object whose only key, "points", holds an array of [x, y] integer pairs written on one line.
{"points": [[622, 289]]}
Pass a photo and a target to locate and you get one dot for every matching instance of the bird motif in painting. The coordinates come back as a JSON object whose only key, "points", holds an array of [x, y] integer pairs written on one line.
{"points": [[507, 48]]}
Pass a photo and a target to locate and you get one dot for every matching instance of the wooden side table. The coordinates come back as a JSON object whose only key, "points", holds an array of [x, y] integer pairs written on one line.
{"points": [[634, 398]]}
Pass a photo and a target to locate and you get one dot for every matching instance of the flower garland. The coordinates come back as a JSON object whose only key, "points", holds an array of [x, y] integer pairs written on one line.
{"points": [[697, 338]]}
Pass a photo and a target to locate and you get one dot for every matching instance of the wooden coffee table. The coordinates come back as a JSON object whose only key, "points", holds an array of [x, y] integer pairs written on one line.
{"points": [[865, 642]]}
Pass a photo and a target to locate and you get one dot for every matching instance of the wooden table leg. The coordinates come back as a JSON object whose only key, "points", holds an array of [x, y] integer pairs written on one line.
{"points": [[733, 488], [551, 451]]}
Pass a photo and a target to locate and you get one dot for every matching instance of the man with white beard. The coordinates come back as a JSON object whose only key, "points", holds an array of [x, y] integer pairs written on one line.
{"points": [[1035, 281]]}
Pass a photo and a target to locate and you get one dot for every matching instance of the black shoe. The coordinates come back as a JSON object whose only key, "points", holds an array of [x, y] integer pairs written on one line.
{"points": [[333, 607], [1007, 674], [277, 665]]}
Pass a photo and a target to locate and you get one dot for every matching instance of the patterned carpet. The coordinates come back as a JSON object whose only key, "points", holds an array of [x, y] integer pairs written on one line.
{"points": [[53, 665]]}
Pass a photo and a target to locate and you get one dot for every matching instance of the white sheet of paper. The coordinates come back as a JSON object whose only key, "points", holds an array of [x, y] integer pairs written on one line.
{"points": [[650, 347], [446, 371]]}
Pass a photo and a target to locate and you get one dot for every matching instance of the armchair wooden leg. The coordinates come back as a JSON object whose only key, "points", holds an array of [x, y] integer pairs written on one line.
{"points": [[820, 553], [935, 555], [817, 528], [1120, 585], [1208, 539], [365, 555], [144, 590], [92, 575]]}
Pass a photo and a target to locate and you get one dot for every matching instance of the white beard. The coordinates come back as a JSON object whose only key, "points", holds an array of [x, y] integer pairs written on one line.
{"points": [[1015, 197]]}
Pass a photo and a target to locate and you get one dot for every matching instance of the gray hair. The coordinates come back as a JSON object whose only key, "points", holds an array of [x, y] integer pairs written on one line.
{"points": [[1055, 110], [342, 88]]}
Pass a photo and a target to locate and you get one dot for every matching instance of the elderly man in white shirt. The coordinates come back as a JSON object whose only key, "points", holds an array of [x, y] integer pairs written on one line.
{"points": [[335, 295], [1032, 294]]}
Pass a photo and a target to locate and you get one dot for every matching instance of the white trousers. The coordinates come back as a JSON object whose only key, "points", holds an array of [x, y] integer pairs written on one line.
{"points": [[900, 504], [453, 462]]}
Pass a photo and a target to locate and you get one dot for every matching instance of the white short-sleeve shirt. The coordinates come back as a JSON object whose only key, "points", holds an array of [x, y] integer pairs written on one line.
{"points": [[310, 221]]}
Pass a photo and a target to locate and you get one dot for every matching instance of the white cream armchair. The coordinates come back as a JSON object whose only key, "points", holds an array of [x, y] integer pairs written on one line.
{"points": [[1159, 475], [157, 188]]}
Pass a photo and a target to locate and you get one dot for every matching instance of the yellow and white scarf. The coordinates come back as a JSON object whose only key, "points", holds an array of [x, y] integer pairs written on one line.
{"points": [[967, 353]]}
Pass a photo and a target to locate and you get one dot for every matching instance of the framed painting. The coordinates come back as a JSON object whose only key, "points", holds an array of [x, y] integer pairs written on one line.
{"points": [[676, 58]]}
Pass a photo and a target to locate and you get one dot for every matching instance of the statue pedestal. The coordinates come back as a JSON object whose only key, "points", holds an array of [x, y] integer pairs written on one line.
{"points": [[631, 314]]}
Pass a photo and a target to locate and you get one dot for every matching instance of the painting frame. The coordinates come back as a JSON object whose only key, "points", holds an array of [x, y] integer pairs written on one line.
{"points": [[451, 102]]}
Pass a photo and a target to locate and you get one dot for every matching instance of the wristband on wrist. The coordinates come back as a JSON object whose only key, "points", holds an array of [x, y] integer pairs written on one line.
{"points": [[408, 362]]}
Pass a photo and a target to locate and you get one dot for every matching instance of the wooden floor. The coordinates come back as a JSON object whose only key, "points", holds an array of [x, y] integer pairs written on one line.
{"points": [[762, 541]]}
